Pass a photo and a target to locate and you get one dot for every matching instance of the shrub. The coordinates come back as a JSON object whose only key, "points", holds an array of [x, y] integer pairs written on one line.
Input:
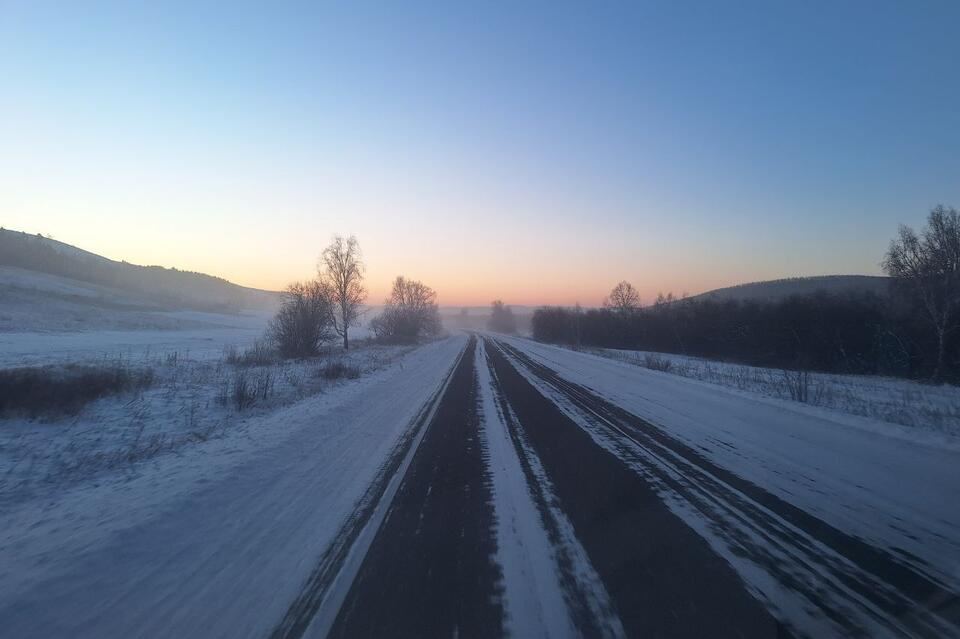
{"points": [[65, 390], [338, 369], [656, 363], [304, 321], [245, 389], [261, 353]]}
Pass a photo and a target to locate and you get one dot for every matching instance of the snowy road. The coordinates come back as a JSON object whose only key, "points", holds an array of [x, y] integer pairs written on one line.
{"points": [[494, 486], [538, 506], [803, 565]]}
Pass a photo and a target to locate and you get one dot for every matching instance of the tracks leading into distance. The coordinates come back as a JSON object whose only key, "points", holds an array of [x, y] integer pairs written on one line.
{"points": [[647, 536]]}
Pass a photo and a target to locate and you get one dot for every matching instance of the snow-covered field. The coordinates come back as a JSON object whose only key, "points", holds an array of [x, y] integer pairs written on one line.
{"points": [[927, 410], [188, 355], [34, 305], [188, 402], [284, 479], [73, 484]]}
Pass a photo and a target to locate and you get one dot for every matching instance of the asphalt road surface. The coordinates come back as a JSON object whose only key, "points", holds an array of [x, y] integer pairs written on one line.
{"points": [[612, 527]]}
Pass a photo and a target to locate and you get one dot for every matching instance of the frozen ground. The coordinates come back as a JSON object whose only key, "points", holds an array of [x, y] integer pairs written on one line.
{"points": [[46, 320], [189, 401], [109, 558], [36, 304], [198, 336], [928, 410], [620, 501]]}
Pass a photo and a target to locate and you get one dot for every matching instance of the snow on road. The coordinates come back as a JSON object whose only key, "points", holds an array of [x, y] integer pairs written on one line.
{"points": [[813, 512], [218, 541], [897, 494], [533, 597]]}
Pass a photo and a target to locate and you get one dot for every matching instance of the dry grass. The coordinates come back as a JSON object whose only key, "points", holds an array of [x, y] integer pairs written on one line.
{"points": [[51, 390]]}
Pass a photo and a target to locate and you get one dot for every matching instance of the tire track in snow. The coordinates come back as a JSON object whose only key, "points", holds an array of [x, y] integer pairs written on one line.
{"points": [[550, 588], [662, 577], [862, 589]]}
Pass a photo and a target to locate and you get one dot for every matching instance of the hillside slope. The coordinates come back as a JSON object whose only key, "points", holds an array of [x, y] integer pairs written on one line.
{"points": [[773, 290], [150, 287]]}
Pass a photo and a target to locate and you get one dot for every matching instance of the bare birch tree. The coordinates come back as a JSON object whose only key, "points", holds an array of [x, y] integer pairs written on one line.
{"points": [[341, 273], [926, 267]]}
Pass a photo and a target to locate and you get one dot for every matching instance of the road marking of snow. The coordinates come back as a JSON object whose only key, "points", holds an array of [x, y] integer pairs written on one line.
{"points": [[533, 598], [591, 595]]}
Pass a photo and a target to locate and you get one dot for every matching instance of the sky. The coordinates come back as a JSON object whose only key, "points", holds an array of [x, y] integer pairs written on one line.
{"points": [[534, 152]]}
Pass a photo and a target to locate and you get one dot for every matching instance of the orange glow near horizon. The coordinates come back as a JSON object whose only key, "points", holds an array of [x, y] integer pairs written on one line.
{"points": [[460, 280]]}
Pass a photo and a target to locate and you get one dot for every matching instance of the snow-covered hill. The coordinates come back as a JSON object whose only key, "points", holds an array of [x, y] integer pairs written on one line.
{"points": [[41, 261], [47, 285]]}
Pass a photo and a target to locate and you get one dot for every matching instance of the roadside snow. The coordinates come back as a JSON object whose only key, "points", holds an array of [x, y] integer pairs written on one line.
{"points": [[924, 408], [215, 541], [189, 402]]}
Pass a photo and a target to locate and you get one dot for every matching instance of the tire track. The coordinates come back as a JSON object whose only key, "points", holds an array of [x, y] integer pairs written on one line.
{"points": [[587, 601], [861, 588], [662, 577]]}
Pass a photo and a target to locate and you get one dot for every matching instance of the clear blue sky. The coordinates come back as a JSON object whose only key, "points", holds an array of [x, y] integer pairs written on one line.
{"points": [[536, 152]]}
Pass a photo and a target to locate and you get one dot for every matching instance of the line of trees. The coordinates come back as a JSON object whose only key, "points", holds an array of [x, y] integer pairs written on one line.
{"points": [[910, 333], [314, 313], [311, 313]]}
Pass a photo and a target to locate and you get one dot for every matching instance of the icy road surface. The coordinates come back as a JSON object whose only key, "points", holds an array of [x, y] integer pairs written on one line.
{"points": [[492, 486]]}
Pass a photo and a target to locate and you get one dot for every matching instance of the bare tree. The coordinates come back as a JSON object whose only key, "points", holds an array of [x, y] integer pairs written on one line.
{"points": [[575, 325], [624, 298], [664, 300], [303, 322], [409, 312], [341, 274], [501, 319], [926, 267]]}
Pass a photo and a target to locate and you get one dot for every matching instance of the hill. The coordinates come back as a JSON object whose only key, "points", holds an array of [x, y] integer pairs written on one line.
{"points": [[149, 287], [773, 290]]}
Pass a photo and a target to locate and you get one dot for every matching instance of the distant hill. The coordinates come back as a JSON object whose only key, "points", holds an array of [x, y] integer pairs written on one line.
{"points": [[778, 289], [147, 286]]}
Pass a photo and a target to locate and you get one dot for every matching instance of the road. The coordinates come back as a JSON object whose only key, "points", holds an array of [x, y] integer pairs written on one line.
{"points": [[490, 486], [639, 533]]}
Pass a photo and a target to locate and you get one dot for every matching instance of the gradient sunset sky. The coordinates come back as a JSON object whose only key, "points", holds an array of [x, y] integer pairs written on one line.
{"points": [[537, 152]]}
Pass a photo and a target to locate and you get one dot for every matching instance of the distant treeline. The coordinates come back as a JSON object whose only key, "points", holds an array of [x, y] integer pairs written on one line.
{"points": [[862, 333], [153, 284]]}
